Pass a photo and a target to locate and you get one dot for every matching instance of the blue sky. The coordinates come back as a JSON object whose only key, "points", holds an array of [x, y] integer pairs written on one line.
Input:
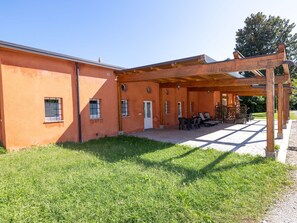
{"points": [[132, 33]]}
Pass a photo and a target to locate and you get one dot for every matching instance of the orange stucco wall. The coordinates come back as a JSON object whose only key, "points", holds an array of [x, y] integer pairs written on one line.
{"points": [[207, 101], [27, 79], [201, 102], [173, 96], [98, 83], [194, 98], [137, 93], [1, 109]]}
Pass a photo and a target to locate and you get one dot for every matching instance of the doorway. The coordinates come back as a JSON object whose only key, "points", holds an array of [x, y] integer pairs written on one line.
{"points": [[148, 117]]}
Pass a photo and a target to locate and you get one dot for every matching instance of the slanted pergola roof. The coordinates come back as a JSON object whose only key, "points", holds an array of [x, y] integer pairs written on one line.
{"points": [[176, 65], [202, 73]]}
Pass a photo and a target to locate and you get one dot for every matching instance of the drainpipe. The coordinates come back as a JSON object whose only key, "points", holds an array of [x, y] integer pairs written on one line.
{"points": [[78, 102]]}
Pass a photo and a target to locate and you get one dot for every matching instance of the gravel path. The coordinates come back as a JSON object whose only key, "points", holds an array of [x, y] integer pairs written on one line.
{"points": [[285, 209]]}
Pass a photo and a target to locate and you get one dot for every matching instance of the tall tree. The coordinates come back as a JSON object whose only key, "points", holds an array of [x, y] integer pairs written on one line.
{"points": [[262, 34]]}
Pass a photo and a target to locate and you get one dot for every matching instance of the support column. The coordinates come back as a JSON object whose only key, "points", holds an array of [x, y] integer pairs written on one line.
{"points": [[285, 116], [119, 92], [270, 111], [284, 110], [280, 106], [288, 105]]}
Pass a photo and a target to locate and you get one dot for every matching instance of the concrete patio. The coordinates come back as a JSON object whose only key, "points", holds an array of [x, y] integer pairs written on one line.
{"points": [[247, 138]]}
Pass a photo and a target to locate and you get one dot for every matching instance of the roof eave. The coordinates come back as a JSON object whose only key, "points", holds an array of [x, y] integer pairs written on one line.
{"points": [[23, 48]]}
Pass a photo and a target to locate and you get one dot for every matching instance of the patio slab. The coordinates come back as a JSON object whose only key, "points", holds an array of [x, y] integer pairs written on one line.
{"points": [[247, 138]]}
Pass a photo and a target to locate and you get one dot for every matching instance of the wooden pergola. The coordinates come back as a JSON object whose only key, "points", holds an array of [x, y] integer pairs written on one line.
{"points": [[201, 73]]}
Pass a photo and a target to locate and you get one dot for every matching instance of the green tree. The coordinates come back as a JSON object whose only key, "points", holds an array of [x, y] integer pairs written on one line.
{"points": [[293, 96], [262, 34]]}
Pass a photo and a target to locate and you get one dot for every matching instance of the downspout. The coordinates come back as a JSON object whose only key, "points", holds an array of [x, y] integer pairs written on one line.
{"points": [[78, 102]]}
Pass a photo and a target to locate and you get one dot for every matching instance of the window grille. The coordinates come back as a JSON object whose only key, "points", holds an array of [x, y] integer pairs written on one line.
{"points": [[166, 107], [95, 108], [125, 108], [53, 109]]}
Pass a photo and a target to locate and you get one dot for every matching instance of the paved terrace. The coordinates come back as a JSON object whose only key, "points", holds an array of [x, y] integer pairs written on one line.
{"points": [[247, 138]]}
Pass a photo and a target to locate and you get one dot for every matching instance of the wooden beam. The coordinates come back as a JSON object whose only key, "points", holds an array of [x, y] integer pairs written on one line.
{"points": [[226, 89], [280, 102], [246, 64], [282, 49], [226, 83], [237, 88], [270, 111], [245, 93], [238, 55]]}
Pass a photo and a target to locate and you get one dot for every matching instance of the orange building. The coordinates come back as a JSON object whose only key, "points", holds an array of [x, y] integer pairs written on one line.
{"points": [[47, 97]]}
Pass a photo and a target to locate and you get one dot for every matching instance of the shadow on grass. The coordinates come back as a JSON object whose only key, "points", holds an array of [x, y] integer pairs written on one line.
{"points": [[191, 175], [114, 149]]}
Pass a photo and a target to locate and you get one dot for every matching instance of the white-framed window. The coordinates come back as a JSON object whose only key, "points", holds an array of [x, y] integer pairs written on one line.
{"points": [[125, 108], [53, 109], [179, 109], [95, 108], [166, 107]]}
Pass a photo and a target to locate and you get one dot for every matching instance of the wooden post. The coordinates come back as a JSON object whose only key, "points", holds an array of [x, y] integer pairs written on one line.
{"points": [[280, 97], [285, 116], [288, 105], [119, 92], [284, 110], [270, 111], [161, 107]]}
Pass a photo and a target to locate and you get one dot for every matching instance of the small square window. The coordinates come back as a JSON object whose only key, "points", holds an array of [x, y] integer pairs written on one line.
{"points": [[124, 107], [95, 108], [53, 109]]}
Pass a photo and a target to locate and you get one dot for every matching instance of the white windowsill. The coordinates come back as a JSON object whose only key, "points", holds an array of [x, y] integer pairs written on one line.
{"points": [[53, 121]]}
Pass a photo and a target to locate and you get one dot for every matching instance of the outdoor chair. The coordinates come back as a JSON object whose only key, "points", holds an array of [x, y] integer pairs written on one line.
{"points": [[207, 122], [182, 123], [250, 117], [196, 122], [207, 116]]}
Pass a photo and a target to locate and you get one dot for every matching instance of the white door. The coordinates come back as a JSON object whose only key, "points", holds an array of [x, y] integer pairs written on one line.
{"points": [[148, 114]]}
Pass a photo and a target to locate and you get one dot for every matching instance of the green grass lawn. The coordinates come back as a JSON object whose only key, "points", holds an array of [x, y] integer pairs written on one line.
{"points": [[262, 115], [127, 179]]}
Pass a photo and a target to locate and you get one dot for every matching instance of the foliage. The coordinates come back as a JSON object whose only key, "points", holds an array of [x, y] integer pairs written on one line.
{"points": [[254, 104], [2, 150], [277, 147], [293, 96], [261, 35], [127, 179]]}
